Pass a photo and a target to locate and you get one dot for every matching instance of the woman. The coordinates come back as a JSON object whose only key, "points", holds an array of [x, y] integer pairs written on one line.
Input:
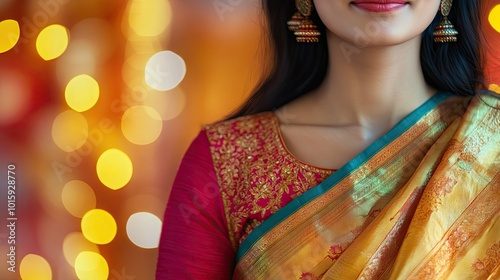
{"points": [[367, 153]]}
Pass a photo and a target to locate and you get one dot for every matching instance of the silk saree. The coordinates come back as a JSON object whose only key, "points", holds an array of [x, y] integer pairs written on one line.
{"points": [[422, 202]]}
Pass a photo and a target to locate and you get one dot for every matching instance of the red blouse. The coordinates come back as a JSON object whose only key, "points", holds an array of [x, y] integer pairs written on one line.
{"points": [[194, 242], [234, 176]]}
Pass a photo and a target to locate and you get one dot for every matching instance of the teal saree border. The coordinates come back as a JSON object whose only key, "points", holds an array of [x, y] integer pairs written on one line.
{"points": [[339, 175]]}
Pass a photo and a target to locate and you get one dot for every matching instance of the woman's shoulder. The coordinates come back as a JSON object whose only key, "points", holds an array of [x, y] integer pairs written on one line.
{"points": [[242, 124], [255, 126]]}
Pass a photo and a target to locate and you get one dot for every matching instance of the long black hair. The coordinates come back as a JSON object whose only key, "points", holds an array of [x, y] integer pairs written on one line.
{"points": [[299, 68]]}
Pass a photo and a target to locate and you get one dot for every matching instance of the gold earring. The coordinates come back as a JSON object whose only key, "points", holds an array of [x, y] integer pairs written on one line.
{"points": [[294, 22], [445, 31], [303, 28]]}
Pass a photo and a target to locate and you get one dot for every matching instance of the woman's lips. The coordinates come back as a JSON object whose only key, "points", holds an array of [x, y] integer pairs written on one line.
{"points": [[379, 6]]}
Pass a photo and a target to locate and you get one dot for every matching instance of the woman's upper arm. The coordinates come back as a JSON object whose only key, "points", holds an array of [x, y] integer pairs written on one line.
{"points": [[194, 242]]}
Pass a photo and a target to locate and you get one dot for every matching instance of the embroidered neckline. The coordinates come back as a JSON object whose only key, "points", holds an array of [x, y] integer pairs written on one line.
{"points": [[257, 175]]}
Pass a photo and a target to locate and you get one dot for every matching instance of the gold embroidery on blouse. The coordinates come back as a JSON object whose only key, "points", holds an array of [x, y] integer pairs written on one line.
{"points": [[256, 174]]}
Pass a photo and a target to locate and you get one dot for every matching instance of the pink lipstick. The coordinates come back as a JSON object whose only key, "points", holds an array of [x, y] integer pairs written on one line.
{"points": [[379, 6]]}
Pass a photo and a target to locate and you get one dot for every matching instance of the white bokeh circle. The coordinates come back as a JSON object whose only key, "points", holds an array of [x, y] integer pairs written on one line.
{"points": [[165, 70], [144, 230]]}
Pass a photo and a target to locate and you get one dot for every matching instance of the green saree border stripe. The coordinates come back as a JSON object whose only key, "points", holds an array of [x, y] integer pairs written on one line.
{"points": [[339, 175]]}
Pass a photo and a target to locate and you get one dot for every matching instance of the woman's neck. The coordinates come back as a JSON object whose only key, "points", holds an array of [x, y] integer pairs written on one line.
{"points": [[365, 93], [370, 87]]}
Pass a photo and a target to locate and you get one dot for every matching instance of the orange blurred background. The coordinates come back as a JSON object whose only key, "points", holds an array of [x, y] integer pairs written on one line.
{"points": [[98, 102]]}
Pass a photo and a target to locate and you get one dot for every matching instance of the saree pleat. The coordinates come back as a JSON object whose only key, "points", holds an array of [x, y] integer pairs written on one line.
{"points": [[420, 203]]}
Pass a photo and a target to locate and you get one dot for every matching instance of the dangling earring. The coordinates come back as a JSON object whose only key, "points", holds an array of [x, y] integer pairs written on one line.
{"points": [[445, 31], [303, 28], [294, 22]]}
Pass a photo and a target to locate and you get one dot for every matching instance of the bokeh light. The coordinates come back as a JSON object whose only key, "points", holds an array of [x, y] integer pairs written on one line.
{"points": [[141, 125], [93, 42], [78, 198], [494, 88], [77, 59], [9, 34], [98, 226], [133, 70], [75, 243], [121, 45], [114, 169], [82, 93], [70, 130], [52, 41], [149, 17], [169, 105], [35, 267], [165, 70], [14, 96], [91, 266], [99, 35], [144, 230], [494, 18]]}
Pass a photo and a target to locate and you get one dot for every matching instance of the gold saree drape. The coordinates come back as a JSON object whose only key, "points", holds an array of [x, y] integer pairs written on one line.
{"points": [[423, 202]]}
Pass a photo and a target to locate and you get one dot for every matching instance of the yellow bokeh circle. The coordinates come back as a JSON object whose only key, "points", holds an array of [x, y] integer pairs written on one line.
{"points": [[91, 266], [98, 226], [78, 198], [149, 17], [52, 41], [82, 93], [35, 267], [9, 34], [141, 125], [494, 18], [114, 169], [70, 130], [494, 88], [75, 243], [169, 105]]}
